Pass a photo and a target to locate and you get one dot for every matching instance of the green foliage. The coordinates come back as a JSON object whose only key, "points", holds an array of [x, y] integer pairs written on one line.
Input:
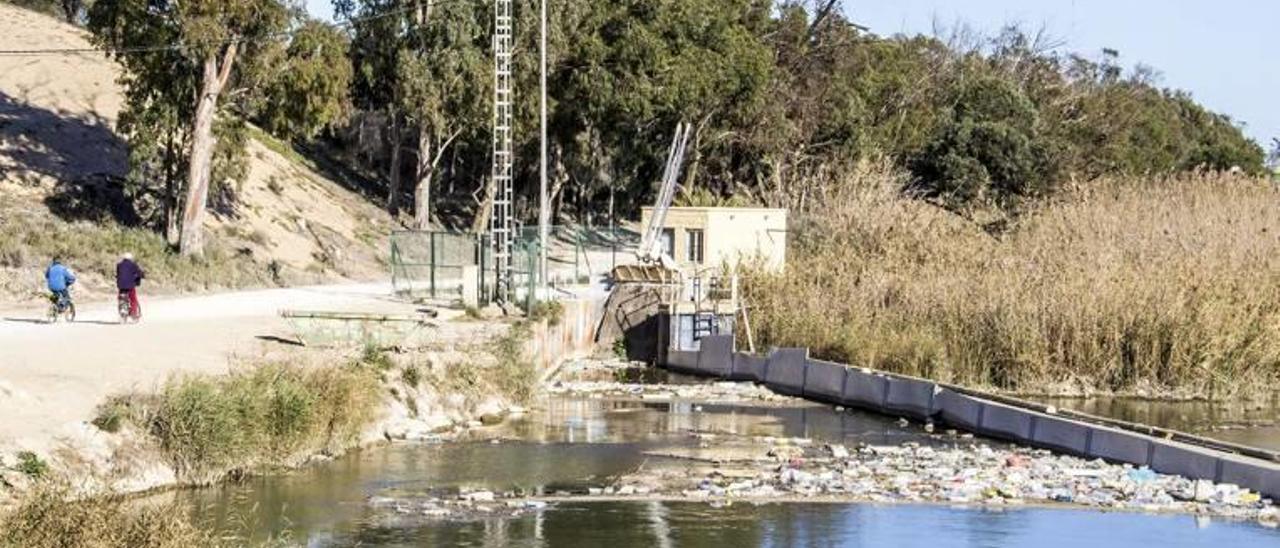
{"points": [[31, 465], [515, 375], [309, 90], [988, 148]]}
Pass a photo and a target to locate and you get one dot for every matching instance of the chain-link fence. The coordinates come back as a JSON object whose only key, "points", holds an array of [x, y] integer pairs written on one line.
{"points": [[435, 263]]}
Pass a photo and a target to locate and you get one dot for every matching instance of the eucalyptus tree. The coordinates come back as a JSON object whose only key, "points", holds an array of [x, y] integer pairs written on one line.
{"points": [[190, 48]]}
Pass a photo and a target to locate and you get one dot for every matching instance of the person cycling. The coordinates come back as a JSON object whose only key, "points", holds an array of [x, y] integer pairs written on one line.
{"points": [[128, 277], [59, 279]]}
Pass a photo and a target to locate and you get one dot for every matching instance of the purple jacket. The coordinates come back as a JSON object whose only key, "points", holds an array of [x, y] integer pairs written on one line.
{"points": [[128, 275]]}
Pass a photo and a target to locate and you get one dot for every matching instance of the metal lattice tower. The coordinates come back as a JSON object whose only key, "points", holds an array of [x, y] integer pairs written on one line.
{"points": [[501, 223]]}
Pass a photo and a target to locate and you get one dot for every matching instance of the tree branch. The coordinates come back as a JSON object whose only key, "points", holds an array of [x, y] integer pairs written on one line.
{"points": [[224, 69]]}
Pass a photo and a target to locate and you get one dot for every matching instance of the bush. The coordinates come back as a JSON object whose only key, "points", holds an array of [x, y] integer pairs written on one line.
{"points": [[46, 517], [263, 416]]}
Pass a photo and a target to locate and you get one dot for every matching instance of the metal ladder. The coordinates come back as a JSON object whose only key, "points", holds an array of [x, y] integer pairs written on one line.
{"points": [[500, 223]]}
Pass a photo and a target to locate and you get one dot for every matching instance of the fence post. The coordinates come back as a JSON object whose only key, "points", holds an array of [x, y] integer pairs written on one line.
{"points": [[433, 264], [395, 262]]}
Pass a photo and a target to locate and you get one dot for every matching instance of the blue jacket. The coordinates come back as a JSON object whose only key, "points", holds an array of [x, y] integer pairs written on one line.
{"points": [[59, 277]]}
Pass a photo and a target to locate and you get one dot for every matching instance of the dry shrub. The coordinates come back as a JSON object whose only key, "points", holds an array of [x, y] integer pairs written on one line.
{"points": [[1167, 287], [266, 415], [46, 517]]}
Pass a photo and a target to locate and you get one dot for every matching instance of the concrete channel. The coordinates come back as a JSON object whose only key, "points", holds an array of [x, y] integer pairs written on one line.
{"points": [[790, 371]]}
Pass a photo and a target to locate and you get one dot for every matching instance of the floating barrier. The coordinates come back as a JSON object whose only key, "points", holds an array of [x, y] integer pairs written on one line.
{"points": [[790, 371]]}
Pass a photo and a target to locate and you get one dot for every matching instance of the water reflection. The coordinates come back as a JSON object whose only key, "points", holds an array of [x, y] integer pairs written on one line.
{"points": [[661, 524], [570, 444], [1248, 423]]}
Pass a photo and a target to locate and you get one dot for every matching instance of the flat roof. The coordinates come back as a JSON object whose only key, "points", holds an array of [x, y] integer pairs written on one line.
{"points": [[719, 208]]}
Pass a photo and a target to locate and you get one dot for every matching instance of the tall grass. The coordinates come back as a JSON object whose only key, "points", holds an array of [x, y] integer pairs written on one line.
{"points": [[263, 416], [1166, 287], [51, 516], [46, 517]]}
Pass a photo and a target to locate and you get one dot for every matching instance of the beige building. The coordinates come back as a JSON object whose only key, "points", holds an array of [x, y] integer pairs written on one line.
{"points": [[713, 236]]}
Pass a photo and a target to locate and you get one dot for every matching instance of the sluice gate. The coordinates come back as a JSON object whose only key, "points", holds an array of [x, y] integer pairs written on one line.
{"points": [[792, 372]]}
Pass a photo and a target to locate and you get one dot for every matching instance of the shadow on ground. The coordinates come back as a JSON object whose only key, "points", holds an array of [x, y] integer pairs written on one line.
{"points": [[85, 158]]}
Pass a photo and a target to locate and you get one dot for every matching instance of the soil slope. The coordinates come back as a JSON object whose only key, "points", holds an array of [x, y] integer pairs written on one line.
{"points": [[58, 147]]}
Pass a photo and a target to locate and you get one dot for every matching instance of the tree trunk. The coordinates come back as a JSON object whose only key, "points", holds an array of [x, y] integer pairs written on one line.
{"points": [[422, 190], [171, 187], [393, 190], [481, 223], [554, 200], [202, 143]]}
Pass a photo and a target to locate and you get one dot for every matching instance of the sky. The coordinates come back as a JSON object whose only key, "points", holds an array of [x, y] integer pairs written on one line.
{"points": [[1222, 51]]}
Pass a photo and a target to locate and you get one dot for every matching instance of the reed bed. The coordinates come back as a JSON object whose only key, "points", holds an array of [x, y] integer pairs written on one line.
{"points": [[1161, 287]]}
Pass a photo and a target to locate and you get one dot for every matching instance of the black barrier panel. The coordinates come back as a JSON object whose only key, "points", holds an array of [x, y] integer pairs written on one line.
{"points": [[785, 371], [958, 409], [911, 397], [715, 355], [824, 381], [1120, 446], [1263, 477], [748, 367], [1169, 457], [1006, 422], [1062, 434], [865, 390], [682, 361]]}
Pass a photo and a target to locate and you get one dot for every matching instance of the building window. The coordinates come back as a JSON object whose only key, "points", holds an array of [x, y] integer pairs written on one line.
{"points": [[669, 242], [695, 246]]}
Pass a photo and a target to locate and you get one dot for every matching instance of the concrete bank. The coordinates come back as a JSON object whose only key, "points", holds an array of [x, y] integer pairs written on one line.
{"points": [[790, 371]]}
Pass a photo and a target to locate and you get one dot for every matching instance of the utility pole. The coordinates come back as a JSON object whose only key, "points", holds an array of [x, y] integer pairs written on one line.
{"points": [[543, 214]]}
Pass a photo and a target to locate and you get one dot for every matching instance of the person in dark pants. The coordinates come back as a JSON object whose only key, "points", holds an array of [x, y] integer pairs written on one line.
{"points": [[128, 277]]}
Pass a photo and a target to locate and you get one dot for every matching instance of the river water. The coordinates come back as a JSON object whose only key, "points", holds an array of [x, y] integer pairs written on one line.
{"points": [[568, 444], [1255, 424]]}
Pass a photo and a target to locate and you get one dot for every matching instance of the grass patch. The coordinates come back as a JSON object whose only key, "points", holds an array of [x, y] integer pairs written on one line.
{"points": [[1169, 288], [263, 416], [551, 311], [30, 240], [46, 517], [31, 465], [51, 516], [515, 374]]}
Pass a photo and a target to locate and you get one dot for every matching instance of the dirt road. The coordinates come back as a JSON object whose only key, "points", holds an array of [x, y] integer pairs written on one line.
{"points": [[53, 376]]}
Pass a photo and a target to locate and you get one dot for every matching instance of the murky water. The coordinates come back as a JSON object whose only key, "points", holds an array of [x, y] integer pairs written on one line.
{"points": [[569, 444]]}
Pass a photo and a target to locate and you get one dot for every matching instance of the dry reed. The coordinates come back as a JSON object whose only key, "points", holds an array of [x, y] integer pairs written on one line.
{"points": [[1164, 288]]}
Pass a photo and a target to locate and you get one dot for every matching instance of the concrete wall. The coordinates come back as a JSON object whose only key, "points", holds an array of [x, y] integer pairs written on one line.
{"points": [[790, 371], [730, 234], [573, 336]]}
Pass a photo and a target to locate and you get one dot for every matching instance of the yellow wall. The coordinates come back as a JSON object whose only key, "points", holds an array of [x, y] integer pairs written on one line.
{"points": [[731, 234]]}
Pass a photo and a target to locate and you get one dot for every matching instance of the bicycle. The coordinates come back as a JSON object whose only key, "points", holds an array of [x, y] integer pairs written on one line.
{"points": [[123, 307], [60, 306]]}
